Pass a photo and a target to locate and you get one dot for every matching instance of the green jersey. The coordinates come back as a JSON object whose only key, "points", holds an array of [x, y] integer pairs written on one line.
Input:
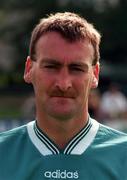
{"points": [[97, 152]]}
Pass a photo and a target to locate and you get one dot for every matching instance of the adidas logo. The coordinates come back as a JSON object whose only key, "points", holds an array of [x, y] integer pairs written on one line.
{"points": [[58, 174]]}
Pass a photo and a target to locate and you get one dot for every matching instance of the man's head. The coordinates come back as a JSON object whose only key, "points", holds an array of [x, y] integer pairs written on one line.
{"points": [[71, 26], [63, 65]]}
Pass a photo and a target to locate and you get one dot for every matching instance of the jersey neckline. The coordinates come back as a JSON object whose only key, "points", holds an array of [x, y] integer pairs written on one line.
{"points": [[77, 145]]}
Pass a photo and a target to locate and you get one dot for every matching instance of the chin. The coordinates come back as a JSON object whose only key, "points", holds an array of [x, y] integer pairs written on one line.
{"points": [[64, 115]]}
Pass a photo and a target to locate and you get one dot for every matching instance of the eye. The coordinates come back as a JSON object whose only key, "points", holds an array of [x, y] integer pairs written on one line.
{"points": [[50, 66], [76, 68]]}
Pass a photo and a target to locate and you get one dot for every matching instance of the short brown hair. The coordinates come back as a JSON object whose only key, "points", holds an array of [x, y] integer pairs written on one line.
{"points": [[71, 26]]}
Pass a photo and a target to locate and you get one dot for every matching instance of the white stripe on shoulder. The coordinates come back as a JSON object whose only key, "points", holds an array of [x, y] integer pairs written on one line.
{"points": [[87, 140], [42, 148]]}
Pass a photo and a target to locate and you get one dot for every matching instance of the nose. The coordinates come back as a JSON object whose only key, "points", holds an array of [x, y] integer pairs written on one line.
{"points": [[63, 80]]}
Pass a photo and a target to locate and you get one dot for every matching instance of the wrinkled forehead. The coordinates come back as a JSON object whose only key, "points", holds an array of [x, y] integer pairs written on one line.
{"points": [[52, 44]]}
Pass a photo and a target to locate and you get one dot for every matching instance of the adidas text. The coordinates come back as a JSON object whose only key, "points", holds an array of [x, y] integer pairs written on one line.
{"points": [[61, 174]]}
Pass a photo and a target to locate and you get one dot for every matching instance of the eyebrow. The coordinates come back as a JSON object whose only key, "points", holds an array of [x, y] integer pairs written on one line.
{"points": [[50, 61], [56, 62]]}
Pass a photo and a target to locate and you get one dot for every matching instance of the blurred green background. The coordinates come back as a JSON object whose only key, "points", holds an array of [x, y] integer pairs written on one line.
{"points": [[18, 18]]}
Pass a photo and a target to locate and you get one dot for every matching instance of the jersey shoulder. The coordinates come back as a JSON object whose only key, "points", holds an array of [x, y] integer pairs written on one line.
{"points": [[12, 135], [110, 135]]}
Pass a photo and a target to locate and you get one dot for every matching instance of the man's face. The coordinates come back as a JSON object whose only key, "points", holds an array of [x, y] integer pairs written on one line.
{"points": [[62, 76]]}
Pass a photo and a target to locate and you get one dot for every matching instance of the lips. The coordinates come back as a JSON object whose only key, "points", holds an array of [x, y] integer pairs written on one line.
{"points": [[64, 97]]}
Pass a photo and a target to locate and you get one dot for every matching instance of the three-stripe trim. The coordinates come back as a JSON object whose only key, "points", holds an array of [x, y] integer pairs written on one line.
{"points": [[77, 145], [70, 145]]}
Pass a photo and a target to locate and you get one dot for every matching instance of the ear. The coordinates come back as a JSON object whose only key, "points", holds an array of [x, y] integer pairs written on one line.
{"points": [[28, 70], [96, 70]]}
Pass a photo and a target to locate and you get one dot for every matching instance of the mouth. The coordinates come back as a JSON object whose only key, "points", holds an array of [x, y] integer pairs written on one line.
{"points": [[61, 100], [63, 97]]}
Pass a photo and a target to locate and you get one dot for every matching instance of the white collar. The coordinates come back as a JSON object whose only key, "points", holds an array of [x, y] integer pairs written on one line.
{"points": [[77, 145]]}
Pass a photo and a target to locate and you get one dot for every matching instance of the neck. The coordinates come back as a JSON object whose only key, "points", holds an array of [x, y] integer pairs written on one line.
{"points": [[60, 132]]}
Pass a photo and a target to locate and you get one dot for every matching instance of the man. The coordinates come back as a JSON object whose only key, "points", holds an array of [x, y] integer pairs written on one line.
{"points": [[63, 142]]}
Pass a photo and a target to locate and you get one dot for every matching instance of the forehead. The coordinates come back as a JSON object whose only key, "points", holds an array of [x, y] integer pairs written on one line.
{"points": [[53, 45]]}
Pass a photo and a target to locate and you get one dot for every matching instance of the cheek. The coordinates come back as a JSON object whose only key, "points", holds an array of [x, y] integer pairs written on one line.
{"points": [[84, 86], [37, 80], [42, 82]]}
